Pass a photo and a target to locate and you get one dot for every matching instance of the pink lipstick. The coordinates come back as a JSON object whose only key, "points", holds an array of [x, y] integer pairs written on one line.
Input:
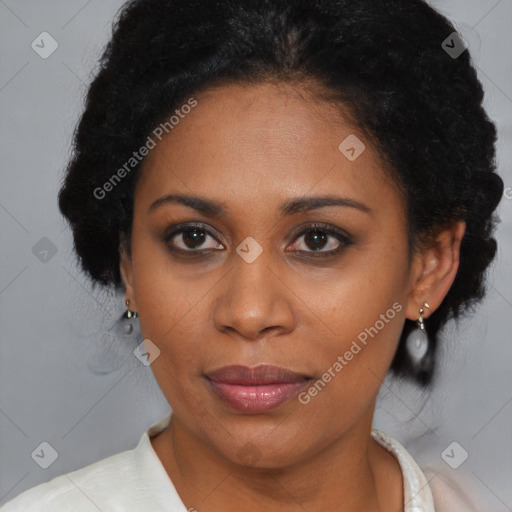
{"points": [[258, 389]]}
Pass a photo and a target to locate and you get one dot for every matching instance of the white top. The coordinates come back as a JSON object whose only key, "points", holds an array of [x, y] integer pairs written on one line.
{"points": [[136, 481]]}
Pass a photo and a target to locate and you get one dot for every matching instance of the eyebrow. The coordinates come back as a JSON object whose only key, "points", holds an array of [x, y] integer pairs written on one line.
{"points": [[215, 209]]}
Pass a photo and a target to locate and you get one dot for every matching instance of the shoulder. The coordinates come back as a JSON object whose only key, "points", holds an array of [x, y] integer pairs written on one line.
{"points": [[450, 495], [426, 487], [417, 493], [86, 489]]}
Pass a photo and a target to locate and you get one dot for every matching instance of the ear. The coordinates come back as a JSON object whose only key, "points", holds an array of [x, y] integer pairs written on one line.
{"points": [[434, 270], [126, 270]]}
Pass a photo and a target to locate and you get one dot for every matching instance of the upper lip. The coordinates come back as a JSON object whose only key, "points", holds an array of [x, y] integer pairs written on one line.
{"points": [[261, 375]]}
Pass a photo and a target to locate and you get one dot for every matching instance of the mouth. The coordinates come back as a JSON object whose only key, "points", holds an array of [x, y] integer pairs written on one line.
{"points": [[258, 389]]}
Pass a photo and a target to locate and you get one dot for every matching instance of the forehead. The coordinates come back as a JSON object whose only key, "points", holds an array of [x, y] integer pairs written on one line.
{"points": [[255, 143]]}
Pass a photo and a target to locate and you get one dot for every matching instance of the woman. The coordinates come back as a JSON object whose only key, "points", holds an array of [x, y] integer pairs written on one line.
{"points": [[295, 197]]}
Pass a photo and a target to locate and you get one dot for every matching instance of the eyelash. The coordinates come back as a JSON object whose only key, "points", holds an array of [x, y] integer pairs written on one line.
{"points": [[344, 239]]}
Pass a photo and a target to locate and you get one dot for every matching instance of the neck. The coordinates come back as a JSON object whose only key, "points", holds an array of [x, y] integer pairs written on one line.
{"points": [[352, 473]]}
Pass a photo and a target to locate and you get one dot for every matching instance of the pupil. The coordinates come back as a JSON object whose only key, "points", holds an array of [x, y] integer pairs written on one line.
{"points": [[317, 238], [193, 236]]}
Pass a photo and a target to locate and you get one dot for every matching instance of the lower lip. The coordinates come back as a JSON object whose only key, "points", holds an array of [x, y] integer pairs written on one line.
{"points": [[254, 399]]}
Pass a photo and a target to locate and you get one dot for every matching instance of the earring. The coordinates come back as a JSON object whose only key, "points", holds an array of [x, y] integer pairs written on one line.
{"points": [[417, 341], [129, 313]]}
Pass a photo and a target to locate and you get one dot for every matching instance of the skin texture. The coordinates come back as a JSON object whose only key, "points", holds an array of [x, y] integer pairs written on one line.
{"points": [[252, 148]]}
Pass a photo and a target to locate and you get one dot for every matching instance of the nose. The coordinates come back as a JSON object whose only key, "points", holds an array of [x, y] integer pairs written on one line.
{"points": [[253, 300]]}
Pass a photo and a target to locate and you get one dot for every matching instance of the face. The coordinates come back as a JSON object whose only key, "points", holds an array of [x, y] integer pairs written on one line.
{"points": [[266, 275]]}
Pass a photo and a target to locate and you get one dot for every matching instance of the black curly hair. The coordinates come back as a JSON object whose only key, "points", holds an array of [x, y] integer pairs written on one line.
{"points": [[382, 61]]}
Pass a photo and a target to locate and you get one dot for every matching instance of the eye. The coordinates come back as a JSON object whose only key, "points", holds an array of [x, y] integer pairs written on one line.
{"points": [[318, 237], [313, 241], [190, 238]]}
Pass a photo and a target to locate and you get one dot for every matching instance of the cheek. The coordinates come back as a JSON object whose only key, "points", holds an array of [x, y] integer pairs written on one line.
{"points": [[172, 317], [361, 318], [169, 309]]}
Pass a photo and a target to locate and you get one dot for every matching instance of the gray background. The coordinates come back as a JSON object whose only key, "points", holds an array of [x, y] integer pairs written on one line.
{"points": [[68, 379]]}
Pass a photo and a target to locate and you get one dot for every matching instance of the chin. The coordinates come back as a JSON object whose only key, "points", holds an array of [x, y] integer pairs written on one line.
{"points": [[261, 443]]}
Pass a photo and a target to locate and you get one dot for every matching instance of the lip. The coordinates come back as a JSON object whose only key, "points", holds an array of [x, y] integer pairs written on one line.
{"points": [[257, 389]]}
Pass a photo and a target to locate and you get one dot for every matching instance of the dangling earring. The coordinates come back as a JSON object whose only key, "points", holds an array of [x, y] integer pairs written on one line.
{"points": [[129, 313], [122, 336], [417, 341]]}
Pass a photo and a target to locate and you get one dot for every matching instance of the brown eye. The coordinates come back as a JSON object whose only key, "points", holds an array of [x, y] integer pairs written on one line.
{"points": [[191, 238], [315, 239], [322, 240]]}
